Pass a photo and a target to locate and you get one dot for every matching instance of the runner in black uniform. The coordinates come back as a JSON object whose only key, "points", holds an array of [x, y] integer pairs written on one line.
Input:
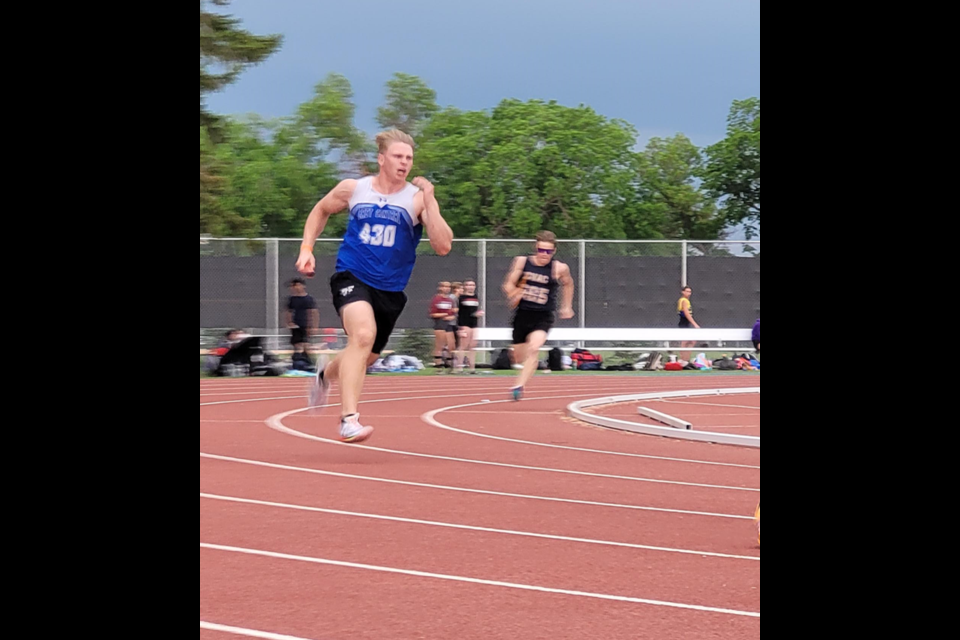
{"points": [[531, 286], [470, 313]]}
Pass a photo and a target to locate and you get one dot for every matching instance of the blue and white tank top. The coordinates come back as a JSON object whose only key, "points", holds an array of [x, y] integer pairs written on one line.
{"points": [[380, 245]]}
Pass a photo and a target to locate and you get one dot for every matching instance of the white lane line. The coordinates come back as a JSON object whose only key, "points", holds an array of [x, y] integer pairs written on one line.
{"points": [[320, 472], [383, 390], [448, 525], [488, 583], [276, 423], [248, 633], [458, 395], [430, 418]]}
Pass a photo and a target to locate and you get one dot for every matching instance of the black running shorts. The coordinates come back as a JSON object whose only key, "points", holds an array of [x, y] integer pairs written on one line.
{"points": [[387, 305], [527, 322]]}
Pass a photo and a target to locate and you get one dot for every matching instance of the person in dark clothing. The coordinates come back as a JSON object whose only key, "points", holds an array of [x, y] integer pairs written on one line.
{"points": [[533, 288], [469, 305], [756, 336], [303, 318]]}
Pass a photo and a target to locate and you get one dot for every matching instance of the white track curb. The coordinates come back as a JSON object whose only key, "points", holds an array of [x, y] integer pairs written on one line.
{"points": [[575, 410]]}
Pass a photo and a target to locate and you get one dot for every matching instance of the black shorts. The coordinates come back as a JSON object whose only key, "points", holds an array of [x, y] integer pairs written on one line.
{"points": [[439, 324], [756, 345], [299, 336], [527, 322], [387, 305]]}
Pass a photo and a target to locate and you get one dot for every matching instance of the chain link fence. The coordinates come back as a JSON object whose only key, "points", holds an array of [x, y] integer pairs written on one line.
{"points": [[619, 284]]}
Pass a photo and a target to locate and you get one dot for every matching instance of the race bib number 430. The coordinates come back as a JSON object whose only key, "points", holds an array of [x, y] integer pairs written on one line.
{"points": [[379, 235]]}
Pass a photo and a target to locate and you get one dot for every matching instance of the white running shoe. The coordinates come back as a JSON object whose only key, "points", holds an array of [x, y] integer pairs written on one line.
{"points": [[319, 387], [352, 431]]}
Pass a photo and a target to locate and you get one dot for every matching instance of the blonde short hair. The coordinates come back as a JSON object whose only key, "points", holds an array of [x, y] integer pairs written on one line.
{"points": [[385, 139]]}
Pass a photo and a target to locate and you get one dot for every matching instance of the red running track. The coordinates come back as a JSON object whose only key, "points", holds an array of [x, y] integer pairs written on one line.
{"points": [[481, 520]]}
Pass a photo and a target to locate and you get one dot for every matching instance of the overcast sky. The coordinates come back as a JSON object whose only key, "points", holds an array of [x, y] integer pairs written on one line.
{"points": [[666, 66]]}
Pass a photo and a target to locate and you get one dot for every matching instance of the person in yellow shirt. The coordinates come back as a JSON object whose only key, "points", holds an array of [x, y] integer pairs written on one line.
{"points": [[756, 518], [685, 311]]}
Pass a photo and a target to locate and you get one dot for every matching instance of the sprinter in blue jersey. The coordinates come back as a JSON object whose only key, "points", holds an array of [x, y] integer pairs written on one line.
{"points": [[387, 218]]}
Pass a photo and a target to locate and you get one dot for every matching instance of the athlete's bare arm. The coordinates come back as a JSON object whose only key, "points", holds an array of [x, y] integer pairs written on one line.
{"points": [[566, 279], [513, 277], [334, 202], [439, 232]]}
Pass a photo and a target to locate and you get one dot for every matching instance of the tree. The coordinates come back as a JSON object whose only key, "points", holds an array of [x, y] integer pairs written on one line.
{"points": [[672, 201], [225, 50], [531, 165], [410, 103], [264, 185], [732, 172], [273, 172], [215, 218], [449, 152], [324, 125]]}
